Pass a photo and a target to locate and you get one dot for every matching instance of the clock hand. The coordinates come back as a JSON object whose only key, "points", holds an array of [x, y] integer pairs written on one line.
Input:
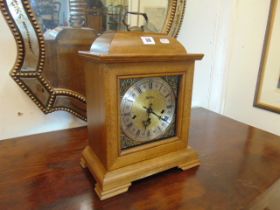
{"points": [[150, 111], [146, 123], [160, 117]]}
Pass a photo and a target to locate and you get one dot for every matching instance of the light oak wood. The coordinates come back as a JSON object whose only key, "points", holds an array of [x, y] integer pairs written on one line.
{"points": [[116, 56], [104, 194], [111, 183]]}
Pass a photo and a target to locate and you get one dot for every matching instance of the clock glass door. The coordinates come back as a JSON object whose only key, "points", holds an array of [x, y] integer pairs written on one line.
{"points": [[148, 109]]}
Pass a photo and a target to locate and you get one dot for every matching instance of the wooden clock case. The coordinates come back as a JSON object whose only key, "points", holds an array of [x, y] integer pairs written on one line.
{"points": [[121, 55]]}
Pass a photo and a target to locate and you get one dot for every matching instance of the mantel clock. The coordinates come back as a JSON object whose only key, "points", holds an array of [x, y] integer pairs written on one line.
{"points": [[138, 89]]}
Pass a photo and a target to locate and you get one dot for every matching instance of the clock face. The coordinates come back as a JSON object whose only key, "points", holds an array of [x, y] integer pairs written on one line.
{"points": [[148, 110]]}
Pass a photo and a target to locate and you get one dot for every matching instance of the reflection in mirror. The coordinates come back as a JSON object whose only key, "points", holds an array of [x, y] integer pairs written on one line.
{"points": [[50, 13], [72, 25], [49, 34], [100, 15], [156, 11]]}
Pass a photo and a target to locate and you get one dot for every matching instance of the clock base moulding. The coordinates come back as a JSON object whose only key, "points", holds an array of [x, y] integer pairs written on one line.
{"points": [[110, 183]]}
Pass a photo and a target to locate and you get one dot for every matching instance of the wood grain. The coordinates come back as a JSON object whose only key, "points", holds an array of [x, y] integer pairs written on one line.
{"points": [[114, 169], [62, 60], [239, 163]]}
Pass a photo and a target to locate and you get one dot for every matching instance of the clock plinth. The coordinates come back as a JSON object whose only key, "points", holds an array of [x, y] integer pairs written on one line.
{"points": [[114, 182], [138, 89]]}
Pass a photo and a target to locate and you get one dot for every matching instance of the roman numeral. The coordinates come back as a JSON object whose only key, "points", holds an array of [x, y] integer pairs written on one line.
{"points": [[139, 90], [126, 114], [128, 100], [169, 106], [148, 133], [129, 125], [150, 84], [137, 133]]}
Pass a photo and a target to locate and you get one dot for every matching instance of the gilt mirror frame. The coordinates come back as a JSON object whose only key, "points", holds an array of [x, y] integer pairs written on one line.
{"points": [[25, 29]]}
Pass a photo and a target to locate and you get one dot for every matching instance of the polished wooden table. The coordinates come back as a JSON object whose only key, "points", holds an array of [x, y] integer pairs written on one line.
{"points": [[240, 169]]}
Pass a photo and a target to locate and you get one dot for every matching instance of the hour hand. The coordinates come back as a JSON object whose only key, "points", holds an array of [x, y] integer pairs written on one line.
{"points": [[146, 123]]}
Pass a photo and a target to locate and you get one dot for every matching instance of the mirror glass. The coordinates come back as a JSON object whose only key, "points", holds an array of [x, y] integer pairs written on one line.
{"points": [[72, 25], [50, 34], [100, 15]]}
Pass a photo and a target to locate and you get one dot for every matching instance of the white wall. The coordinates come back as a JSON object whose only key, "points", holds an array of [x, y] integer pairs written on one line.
{"points": [[230, 34], [206, 30], [14, 100], [249, 27], [198, 34]]}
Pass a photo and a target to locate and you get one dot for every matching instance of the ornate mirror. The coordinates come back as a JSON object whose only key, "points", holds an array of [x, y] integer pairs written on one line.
{"points": [[49, 33]]}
